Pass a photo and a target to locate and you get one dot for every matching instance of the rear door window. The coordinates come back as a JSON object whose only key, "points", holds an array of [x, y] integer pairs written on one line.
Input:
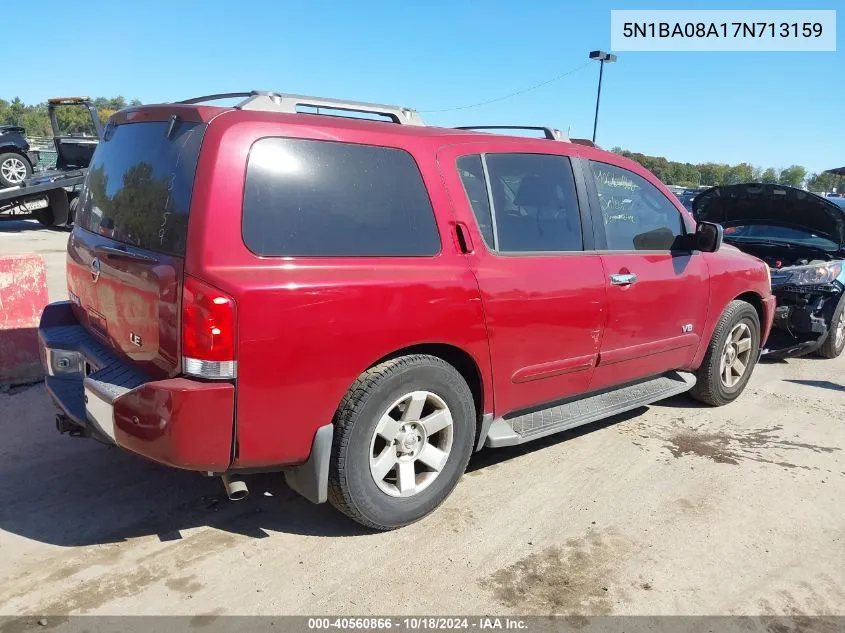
{"points": [[139, 184], [325, 198], [535, 204]]}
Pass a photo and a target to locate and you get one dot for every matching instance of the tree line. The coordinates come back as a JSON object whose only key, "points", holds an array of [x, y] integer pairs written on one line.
{"points": [[711, 174], [72, 119]]}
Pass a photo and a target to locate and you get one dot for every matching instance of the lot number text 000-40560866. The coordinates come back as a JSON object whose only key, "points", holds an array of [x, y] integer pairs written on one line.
{"points": [[723, 30]]}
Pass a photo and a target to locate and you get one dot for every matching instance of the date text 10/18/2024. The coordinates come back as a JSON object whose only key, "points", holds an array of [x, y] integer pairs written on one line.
{"points": [[418, 623]]}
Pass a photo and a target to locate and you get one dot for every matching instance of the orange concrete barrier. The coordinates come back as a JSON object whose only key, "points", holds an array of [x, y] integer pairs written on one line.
{"points": [[23, 295]]}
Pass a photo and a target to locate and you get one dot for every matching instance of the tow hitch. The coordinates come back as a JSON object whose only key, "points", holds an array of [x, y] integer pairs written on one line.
{"points": [[65, 425]]}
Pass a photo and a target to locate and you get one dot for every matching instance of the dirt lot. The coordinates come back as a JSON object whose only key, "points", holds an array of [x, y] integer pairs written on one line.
{"points": [[672, 509]]}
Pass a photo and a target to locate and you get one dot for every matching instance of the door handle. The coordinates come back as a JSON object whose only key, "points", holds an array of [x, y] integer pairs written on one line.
{"points": [[623, 280]]}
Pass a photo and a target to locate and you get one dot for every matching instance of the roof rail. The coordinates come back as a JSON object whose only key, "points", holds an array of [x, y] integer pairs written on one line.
{"points": [[553, 134], [222, 95], [289, 103], [66, 100]]}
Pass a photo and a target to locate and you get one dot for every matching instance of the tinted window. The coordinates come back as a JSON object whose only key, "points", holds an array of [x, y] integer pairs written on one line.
{"points": [[637, 216], [472, 175], [535, 204], [320, 198], [138, 188]]}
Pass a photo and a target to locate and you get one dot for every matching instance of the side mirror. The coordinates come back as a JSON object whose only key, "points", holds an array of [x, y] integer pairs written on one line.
{"points": [[708, 237]]}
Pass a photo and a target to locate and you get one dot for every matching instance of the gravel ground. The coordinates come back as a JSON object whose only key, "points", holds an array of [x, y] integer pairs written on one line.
{"points": [[671, 509]]}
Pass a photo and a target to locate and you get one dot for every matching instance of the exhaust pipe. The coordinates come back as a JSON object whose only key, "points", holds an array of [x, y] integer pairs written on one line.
{"points": [[235, 487]]}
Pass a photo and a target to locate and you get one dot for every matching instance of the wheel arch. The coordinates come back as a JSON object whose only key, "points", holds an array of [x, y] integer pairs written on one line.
{"points": [[311, 478], [756, 302], [13, 149], [458, 358]]}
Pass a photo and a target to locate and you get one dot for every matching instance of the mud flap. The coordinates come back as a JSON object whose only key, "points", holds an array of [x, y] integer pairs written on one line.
{"points": [[311, 479]]}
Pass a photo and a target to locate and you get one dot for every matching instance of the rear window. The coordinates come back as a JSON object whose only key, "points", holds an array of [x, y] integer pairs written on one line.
{"points": [[138, 189], [324, 198]]}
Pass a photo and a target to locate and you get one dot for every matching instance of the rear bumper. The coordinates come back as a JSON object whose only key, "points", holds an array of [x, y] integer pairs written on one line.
{"points": [[178, 422]]}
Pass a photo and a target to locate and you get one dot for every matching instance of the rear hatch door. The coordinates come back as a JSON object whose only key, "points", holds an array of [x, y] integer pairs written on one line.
{"points": [[126, 252]]}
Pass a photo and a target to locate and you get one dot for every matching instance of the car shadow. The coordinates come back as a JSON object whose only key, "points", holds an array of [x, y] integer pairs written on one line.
{"points": [[490, 457], [821, 384], [682, 401], [75, 492]]}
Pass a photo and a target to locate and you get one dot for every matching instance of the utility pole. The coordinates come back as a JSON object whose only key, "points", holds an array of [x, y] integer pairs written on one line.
{"points": [[602, 57]]}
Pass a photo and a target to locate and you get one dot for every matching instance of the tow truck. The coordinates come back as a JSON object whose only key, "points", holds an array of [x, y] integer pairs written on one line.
{"points": [[51, 196]]}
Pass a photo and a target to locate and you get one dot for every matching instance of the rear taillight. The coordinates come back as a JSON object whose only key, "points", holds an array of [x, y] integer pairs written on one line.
{"points": [[208, 331]]}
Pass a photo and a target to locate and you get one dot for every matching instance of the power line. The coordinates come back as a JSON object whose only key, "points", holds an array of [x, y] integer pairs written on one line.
{"points": [[512, 94]]}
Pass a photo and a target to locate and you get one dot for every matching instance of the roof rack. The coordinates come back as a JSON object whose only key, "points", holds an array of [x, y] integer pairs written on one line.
{"points": [[289, 103], [552, 134]]}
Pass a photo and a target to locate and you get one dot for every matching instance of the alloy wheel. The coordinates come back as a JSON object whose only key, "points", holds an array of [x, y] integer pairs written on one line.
{"points": [[411, 444], [13, 170], [736, 355]]}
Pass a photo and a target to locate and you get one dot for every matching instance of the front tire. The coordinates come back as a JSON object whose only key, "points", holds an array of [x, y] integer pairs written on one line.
{"points": [[403, 435], [730, 357], [835, 341]]}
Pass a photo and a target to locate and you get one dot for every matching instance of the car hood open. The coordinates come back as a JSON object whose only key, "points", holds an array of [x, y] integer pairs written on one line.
{"points": [[732, 205]]}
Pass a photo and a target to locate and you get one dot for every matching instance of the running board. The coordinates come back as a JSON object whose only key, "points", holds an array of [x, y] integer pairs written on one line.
{"points": [[531, 426]]}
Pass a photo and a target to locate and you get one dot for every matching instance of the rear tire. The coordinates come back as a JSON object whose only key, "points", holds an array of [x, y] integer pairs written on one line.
{"points": [[835, 341], [403, 435], [57, 211], [731, 356], [72, 208], [14, 169], [45, 215]]}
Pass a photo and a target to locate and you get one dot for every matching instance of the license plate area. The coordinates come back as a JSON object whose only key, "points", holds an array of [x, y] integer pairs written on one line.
{"points": [[98, 323]]}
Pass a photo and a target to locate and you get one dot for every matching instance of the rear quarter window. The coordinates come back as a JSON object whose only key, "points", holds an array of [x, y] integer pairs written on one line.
{"points": [[324, 198]]}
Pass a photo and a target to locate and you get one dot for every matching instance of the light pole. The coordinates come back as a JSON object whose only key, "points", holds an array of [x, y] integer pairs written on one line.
{"points": [[602, 57]]}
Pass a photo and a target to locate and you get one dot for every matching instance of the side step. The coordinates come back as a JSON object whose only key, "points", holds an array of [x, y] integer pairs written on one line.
{"points": [[531, 426]]}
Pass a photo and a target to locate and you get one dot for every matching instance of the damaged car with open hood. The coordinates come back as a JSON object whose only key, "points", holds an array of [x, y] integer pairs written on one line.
{"points": [[801, 236]]}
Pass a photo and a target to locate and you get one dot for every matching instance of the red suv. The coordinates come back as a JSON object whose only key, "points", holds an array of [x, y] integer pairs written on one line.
{"points": [[283, 286]]}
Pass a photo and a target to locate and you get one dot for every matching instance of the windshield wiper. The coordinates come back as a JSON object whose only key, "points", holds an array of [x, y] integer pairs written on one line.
{"points": [[787, 245], [112, 251]]}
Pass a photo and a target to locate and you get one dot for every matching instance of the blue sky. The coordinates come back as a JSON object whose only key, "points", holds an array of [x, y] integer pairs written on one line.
{"points": [[771, 109]]}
